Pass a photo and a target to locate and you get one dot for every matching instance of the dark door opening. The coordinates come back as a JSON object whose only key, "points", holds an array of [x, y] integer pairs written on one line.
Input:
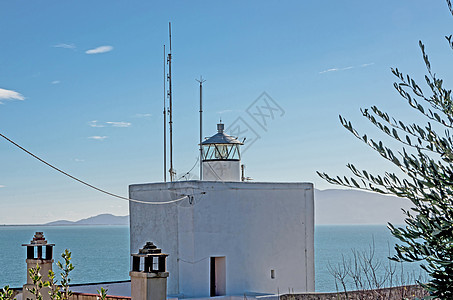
{"points": [[218, 276]]}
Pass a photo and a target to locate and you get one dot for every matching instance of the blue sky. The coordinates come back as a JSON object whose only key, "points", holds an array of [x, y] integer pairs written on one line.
{"points": [[81, 85]]}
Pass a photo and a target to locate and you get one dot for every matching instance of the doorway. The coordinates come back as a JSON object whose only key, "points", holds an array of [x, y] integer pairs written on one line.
{"points": [[218, 276]]}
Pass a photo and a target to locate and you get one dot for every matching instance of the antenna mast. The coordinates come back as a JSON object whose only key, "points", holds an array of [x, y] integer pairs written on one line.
{"points": [[201, 80], [165, 123], [172, 173]]}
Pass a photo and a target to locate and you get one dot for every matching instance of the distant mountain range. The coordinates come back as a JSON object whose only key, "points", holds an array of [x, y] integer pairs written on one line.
{"points": [[332, 206], [335, 206], [102, 219]]}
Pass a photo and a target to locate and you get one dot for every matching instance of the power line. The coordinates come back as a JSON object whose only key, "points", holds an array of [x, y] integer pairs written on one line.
{"points": [[118, 196], [188, 172], [86, 183]]}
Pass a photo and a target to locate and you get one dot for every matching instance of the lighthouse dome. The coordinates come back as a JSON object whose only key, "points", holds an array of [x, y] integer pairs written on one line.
{"points": [[221, 137]]}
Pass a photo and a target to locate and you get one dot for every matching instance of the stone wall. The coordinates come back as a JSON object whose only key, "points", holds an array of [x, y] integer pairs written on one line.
{"points": [[400, 292]]}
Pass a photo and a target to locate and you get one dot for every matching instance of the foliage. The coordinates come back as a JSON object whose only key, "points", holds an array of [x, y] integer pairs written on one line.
{"points": [[62, 292], [56, 292], [6, 293], [65, 280], [102, 294], [38, 284], [426, 162]]}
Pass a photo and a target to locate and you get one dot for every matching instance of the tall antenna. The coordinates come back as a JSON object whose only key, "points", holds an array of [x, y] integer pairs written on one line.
{"points": [[165, 122], [172, 172], [201, 80]]}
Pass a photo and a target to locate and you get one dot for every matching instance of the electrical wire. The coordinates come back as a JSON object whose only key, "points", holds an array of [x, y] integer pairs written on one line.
{"points": [[115, 195], [187, 173], [87, 184], [193, 262]]}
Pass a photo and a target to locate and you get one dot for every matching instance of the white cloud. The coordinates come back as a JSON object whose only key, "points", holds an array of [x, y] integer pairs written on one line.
{"points": [[119, 124], [143, 115], [79, 160], [10, 95], [95, 123], [66, 46], [55, 82], [346, 68], [329, 70], [101, 49], [97, 137], [2, 186]]}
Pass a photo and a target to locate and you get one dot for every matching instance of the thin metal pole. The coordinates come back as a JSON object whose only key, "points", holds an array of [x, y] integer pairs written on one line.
{"points": [[201, 80], [170, 98], [165, 121]]}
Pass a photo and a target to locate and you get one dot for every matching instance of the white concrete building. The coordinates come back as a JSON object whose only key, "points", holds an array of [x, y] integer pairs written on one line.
{"points": [[226, 236]]}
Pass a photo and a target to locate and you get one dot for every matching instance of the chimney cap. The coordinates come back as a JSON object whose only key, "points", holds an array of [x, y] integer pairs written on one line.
{"points": [[149, 249], [38, 240]]}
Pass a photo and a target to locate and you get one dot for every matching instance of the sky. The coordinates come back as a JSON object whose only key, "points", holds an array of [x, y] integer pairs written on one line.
{"points": [[81, 86]]}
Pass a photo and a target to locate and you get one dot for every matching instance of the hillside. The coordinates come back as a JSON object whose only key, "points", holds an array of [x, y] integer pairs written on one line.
{"points": [[335, 206], [102, 219]]}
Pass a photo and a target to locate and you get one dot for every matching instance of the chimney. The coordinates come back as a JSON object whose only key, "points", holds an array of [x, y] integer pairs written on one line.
{"points": [[148, 275], [40, 253]]}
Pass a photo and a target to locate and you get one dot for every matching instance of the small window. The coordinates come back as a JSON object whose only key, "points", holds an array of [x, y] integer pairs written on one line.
{"points": [[272, 274]]}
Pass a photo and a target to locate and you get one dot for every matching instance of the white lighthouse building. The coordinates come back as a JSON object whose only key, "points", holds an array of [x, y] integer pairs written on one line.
{"points": [[227, 236]]}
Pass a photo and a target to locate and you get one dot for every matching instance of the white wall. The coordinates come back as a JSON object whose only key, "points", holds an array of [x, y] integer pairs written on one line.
{"points": [[256, 226], [221, 170]]}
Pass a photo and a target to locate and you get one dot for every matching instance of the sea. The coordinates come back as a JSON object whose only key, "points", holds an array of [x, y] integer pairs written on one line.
{"points": [[101, 253]]}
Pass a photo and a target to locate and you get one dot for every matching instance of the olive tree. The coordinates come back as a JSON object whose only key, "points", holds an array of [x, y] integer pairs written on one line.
{"points": [[425, 176]]}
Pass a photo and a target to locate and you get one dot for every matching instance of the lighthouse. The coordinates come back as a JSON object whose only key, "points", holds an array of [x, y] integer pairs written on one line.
{"points": [[224, 236], [221, 157]]}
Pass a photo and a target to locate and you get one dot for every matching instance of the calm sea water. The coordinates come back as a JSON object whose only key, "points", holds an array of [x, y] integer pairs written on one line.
{"points": [[335, 243], [101, 253]]}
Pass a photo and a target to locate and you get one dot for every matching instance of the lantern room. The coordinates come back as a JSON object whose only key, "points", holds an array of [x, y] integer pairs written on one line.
{"points": [[221, 157]]}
